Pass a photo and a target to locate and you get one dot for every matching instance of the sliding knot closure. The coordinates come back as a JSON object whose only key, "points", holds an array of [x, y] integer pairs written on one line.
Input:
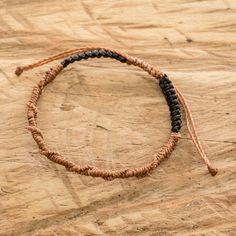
{"points": [[172, 95]]}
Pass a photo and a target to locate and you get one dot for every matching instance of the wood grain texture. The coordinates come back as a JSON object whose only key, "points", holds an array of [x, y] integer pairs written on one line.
{"points": [[104, 113]]}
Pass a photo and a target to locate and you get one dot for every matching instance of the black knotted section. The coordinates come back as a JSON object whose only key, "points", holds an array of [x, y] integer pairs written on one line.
{"points": [[91, 54], [173, 102]]}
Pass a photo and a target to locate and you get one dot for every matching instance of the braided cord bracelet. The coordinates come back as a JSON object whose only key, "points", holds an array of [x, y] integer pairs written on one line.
{"points": [[173, 97]]}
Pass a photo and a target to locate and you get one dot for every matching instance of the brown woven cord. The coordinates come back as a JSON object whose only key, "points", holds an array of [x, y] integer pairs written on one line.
{"points": [[90, 170]]}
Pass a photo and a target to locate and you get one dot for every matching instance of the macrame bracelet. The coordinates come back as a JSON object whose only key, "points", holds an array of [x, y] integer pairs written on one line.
{"points": [[171, 93]]}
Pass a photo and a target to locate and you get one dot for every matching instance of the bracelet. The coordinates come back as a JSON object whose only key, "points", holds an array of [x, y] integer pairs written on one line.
{"points": [[172, 95]]}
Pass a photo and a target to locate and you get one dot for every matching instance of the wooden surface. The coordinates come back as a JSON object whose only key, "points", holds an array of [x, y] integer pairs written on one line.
{"points": [[111, 115]]}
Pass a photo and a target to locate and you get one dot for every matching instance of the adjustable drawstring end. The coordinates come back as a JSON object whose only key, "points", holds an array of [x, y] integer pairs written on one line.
{"points": [[19, 70], [192, 131]]}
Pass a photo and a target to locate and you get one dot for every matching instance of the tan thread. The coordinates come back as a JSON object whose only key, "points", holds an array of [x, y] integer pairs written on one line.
{"points": [[90, 170], [192, 131]]}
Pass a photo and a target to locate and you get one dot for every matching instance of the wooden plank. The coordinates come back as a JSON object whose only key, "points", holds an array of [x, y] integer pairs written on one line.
{"points": [[103, 113]]}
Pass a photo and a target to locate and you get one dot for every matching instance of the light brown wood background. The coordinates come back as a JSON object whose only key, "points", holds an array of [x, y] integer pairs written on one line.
{"points": [[111, 115]]}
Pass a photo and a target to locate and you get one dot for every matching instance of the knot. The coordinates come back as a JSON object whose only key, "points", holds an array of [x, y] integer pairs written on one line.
{"points": [[19, 70], [35, 130], [49, 154], [31, 106], [175, 136], [212, 170]]}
